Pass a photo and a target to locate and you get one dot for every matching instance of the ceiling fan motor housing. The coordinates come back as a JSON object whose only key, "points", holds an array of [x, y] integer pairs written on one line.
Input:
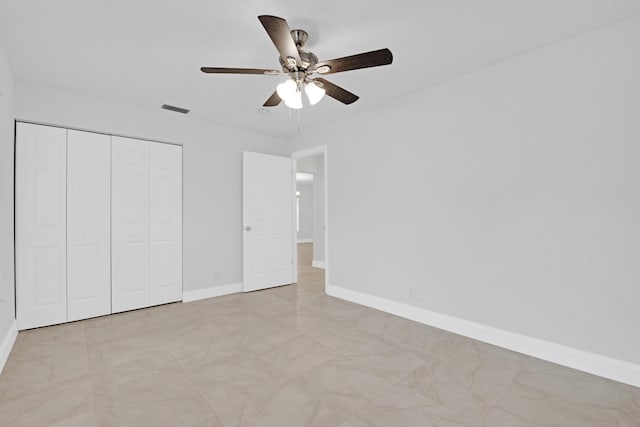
{"points": [[300, 37], [309, 61]]}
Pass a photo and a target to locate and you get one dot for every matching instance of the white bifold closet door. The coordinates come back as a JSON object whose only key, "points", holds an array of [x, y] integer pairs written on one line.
{"points": [[165, 223], [88, 225], [41, 261], [146, 223]]}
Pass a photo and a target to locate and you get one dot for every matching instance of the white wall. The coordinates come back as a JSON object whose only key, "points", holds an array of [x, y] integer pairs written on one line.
{"points": [[7, 299], [318, 209], [510, 196], [212, 209], [306, 210]]}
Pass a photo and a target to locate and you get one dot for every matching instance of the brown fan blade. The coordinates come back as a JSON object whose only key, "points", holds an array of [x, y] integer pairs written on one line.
{"points": [[337, 92], [375, 58], [273, 100], [218, 70], [278, 30]]}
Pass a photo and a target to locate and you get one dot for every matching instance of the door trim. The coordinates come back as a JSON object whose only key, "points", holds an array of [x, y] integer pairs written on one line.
{"points": [[53, 125], [320, 149]]}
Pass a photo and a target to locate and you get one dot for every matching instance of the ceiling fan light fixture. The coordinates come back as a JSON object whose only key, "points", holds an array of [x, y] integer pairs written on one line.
{"points": [[294, 101], [287, 89], [314, 92]]}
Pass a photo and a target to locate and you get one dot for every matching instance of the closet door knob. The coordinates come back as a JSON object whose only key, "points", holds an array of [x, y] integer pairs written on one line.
{"points": [[247, 228]]}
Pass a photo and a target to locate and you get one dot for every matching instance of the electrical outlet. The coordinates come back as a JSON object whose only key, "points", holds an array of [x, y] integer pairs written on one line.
{"points": [[416, 294]]}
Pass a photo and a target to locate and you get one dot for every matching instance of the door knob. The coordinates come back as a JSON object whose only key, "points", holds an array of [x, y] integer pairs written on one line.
{"points": [[247, 227]]}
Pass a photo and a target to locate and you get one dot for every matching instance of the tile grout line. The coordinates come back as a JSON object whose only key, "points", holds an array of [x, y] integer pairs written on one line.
{"points": [[504, 393], [191, 383]]}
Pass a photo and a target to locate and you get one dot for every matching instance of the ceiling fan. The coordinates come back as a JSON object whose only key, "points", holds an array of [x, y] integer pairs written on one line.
{"points": [[300, 65]]}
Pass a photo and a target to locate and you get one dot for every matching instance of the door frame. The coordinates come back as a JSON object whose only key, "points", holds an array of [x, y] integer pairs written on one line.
{"points": [[320, 149]]}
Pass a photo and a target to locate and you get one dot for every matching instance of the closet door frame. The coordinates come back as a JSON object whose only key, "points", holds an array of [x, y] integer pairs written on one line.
{"points": [[152, 293]]}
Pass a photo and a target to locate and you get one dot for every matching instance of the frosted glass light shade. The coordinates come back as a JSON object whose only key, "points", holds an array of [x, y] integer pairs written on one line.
{"points": [[314, 92], [294, 101], [287, 89]]}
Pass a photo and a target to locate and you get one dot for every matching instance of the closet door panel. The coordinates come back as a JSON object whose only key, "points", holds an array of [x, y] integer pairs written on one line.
{"points": [[165, 223], [130, 224], [40, 225], [88, 225]]}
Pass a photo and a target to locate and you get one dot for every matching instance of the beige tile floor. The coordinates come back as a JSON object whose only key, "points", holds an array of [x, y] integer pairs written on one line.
{"points": [[289, 356]]}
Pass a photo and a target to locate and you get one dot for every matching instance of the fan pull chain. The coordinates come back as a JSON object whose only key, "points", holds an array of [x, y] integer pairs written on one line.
{"points": [[299, 125]]}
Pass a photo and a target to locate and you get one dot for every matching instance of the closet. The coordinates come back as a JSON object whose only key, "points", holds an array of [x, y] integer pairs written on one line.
{"points": [[98, 224]]}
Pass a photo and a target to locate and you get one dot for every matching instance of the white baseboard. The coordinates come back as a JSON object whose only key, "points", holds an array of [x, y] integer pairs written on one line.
{"points": [[319, 264], [305, 240], [604, 366], [215, 291], [7, 344]]}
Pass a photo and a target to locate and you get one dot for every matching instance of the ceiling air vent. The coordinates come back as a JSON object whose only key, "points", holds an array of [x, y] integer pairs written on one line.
{"points": [[176, 109]]}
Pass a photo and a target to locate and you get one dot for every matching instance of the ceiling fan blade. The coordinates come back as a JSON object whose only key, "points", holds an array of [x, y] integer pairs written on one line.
{"points": [[375, 58], [273, 100], [278, 30], [337, 92], [220, 70]]}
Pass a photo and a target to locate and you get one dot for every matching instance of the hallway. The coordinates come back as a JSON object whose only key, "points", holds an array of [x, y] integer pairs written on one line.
{"points": [[310, 279]]}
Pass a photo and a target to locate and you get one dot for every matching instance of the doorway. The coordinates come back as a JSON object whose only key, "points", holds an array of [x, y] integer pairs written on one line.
{"points": [[310, 219]]}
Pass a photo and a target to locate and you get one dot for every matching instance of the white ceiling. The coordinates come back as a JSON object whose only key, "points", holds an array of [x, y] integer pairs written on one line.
{"points": [[149, 52]]}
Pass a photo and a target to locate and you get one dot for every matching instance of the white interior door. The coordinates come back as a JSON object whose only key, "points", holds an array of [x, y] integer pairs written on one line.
{"points": [[165, 223], [267, 220], [129, 224], [41, 225], [88, 225]]}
